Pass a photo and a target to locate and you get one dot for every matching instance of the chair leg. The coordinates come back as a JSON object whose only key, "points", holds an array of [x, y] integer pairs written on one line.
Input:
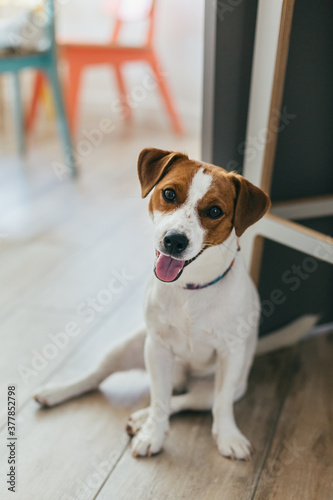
{"points": [[72, 94], [36, 97], [62, 119], [296, 236], [177, 126], [2, 106], [18, 115], [122, 91]]}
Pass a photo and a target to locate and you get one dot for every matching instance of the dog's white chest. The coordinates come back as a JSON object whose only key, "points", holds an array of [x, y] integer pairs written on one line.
{"points": [[197, 323], [191, 322]]}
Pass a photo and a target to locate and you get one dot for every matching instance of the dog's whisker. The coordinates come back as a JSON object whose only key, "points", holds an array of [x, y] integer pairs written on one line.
{"points": [[208, 244]]}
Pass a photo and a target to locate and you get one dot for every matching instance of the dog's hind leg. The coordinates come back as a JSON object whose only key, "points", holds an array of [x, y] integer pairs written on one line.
{"points": [[126, 355], [199, 398], [180, 378]]}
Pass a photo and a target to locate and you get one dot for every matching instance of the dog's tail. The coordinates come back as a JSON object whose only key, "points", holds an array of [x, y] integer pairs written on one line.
{"points": [[288, 335]]}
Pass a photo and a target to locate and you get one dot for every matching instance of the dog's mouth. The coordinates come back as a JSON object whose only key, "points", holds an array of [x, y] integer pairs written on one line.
{"points": [[168, 269]]}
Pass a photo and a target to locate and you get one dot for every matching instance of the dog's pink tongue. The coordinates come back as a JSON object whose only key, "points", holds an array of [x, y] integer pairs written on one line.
{"points": [[167, 268]]}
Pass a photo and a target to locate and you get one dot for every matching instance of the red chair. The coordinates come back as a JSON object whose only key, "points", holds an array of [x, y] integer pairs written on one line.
{"points": [[79, 55]]}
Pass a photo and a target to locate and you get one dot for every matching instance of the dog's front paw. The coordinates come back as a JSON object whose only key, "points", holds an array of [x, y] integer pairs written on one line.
{"points": [[50, 395], [149, 440], [234, 445], [136, 421]]}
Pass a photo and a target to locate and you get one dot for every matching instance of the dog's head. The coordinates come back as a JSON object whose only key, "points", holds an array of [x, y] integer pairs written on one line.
{"points": [[194, 206]]}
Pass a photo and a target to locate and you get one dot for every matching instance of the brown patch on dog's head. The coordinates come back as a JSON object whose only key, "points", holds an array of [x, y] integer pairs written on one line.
{"points": [[222, 194], [153, 164], [241, 202], [179, 179]]}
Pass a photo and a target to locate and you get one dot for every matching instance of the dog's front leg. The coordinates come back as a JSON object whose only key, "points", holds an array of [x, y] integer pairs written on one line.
{"points": [[159, 363], [229, 370]]}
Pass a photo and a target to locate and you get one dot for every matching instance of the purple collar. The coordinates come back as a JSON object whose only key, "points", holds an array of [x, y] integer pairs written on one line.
{"points": [[191, 286]]}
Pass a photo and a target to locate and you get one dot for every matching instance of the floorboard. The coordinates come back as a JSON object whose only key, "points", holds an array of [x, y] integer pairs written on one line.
{"points": [[85, 437], [300, 461], [68, 451]]}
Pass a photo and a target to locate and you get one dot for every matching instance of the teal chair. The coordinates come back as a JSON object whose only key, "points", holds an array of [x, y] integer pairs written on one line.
{"points": [[45, 61]]}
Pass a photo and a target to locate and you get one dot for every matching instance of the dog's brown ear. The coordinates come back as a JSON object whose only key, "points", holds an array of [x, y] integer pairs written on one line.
{"points": [[153, 164], [251, 204]]}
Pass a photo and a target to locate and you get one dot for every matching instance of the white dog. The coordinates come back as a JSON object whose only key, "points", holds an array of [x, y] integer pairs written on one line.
{"points": [[202, 309]]}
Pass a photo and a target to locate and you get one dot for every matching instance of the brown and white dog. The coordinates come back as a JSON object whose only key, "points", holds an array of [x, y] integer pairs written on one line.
{"points": [[201, 308]]}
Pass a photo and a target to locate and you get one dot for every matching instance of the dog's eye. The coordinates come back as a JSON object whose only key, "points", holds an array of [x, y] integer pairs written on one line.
{"points": [[214, 212], [169, 195]]}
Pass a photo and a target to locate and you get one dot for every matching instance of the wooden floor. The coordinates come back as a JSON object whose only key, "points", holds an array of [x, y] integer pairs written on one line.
{"points": [[61, 243]]}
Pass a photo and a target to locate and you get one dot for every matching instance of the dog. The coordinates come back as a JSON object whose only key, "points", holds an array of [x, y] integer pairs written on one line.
{"points": [[202, 310]]}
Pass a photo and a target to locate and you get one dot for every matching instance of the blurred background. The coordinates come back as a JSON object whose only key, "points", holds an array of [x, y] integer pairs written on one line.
{"points": [[177, 42]]}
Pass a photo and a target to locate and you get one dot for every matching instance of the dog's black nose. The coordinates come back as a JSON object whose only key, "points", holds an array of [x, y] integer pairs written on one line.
{"points": [[175, 243]]}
